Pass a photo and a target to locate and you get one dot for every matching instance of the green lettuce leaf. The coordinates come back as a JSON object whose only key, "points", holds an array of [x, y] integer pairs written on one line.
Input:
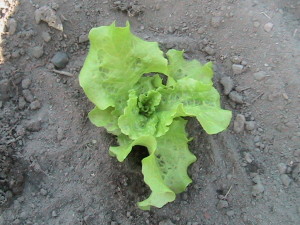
{"points": [[179, 68], [190, 97], [139, 118], [116, 61], [165, 169], [107, 118], [126, 144]]}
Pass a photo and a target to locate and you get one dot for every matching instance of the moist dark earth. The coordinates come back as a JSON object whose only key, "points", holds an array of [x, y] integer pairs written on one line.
{"points": [[54, 164]]}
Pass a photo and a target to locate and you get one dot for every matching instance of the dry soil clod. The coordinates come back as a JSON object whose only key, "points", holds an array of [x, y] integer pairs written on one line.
{"points": [[48, 15]]}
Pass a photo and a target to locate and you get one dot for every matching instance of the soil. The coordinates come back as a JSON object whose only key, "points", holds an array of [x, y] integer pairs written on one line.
{"points": [[54, 164]]}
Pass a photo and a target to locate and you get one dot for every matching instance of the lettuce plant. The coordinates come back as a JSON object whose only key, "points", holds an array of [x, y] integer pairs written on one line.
{"points": [[122, 77]]}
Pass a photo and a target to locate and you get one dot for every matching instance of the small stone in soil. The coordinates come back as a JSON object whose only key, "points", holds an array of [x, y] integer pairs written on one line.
{"points": [[230, 213], [250, 125], [268, 27], [4, 89], [54, 214], [83, 38], [296, 173], [23, 215], [35, 105], [281, 168], [60, 134], [236, 59], [297, 153], [236, 97], [60, 60], [227, 83], [285, 179], [222, 204], [259, 75], [16, 222], [248, 157], [166, 222], [12, 26], [216, 21], [46, 36], [22, 103], [26, 83], [28, 95], [43, 192], [239, 123], [257, 189], [37, 51], [237, 68], [34, 125], [256, 24], [209, 50]]}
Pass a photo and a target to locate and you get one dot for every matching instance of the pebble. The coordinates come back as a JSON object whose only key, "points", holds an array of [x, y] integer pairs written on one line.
{"points": [[222, 204], [259, 75], [43, 192], [45, 13], [236, 97], [35, 105], [256, 24], [15, 54], [230, 213], [83, 38], [60, 60], [46, 36], [34, 125], [170, 30], [60, 134], [201, 30], [166, 222], [236, 59], [256, 139], [268, 27], [54, 214], [28, 95], [237, 68], [26, 83], [12, 26], [16, 222], [257, 189], [209, 50], [22, 103], [37, 51], [297, 153], [248, 157], [281, 168], [239, 123], [285, 179], [23, 215], [296, 173], [227, 83], [4, 89], [216, 21], [250, 125]]}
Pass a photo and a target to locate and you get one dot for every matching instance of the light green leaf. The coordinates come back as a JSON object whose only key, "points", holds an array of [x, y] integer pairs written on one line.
{"points": [[193, 98], [179, 68], [139, 118], [117, 59], [107, 118], [126, 145], [165, 169]]}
